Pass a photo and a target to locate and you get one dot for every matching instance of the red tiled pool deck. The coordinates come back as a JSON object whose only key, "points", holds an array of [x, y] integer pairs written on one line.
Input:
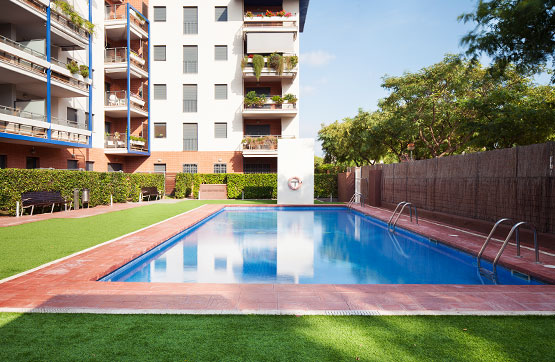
{"points": [[70, 284]]}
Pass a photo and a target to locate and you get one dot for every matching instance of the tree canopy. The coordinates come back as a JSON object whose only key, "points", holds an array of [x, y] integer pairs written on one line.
{"points": [[448, 108], [520, 32]]}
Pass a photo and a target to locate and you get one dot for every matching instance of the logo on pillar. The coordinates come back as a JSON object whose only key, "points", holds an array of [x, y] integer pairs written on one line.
{"points": [[294, 183]]}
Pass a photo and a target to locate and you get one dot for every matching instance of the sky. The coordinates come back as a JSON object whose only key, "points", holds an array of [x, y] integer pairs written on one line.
{"points": [[348, 46]]}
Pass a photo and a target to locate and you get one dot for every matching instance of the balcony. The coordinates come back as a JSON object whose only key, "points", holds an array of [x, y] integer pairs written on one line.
{"points": [[65, 32], [261, 146], [115, 23], [276, 22], [116, 143], [264, 108], [17, 122], [115, 105], [115, 64], [289, 71]]}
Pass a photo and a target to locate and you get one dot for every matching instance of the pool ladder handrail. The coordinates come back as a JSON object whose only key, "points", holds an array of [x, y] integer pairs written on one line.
{"points": [[391, 225], [516, 227], [354, 197]]}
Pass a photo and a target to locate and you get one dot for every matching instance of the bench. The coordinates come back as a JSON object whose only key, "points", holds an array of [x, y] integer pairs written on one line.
{"points": [[42, 199], [150, 192]]}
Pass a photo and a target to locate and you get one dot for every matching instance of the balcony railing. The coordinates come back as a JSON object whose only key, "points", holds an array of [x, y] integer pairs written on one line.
{"points": [[76, 83], [119, 99], [68, 123], [67, 23], [119, 12], [21, 47], [119, 55], [37, 5], [262, 142], [259, 19], [115, 140], [39, 131], [22, 63], [270, 105]]}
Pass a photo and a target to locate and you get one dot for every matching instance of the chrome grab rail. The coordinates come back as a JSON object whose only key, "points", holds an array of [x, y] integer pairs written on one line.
{"points": [[516, 228], [354, 197], [391, 225]]}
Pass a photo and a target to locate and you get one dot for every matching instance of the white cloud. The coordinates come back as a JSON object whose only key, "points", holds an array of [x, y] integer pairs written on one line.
{"points": [[316, 58]]}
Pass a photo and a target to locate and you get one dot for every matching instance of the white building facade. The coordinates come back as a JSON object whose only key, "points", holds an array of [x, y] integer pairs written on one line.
{"points": [[176, 86]]}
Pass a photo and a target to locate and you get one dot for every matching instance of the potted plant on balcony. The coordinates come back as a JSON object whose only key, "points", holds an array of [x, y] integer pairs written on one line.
{"points": [[249, 14], [258, 64], [260, 101], [278, 100], [275, 61], [291, 62], [291, 99], [73, 67], [84, 70], [250, 99], [244, 62], [137, 141]]}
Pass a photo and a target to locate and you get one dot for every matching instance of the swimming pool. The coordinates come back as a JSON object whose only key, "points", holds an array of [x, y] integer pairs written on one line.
{"points": [[308, 245]]}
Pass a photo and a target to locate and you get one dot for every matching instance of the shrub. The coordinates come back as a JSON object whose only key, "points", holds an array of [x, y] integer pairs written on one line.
{"points": [[258, 64], [325, 185], [275, 61], [120, 185], [84, 70], [183, 185], [291, 61], [72, 67], [255, 186]]}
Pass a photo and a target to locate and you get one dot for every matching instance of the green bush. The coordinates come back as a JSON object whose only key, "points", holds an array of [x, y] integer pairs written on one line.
{"points": [[255, 186], [122, 186], [183, 185], [325, 185]]}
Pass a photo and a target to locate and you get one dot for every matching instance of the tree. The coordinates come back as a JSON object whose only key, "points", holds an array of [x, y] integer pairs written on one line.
{"points": [[521, 32]]}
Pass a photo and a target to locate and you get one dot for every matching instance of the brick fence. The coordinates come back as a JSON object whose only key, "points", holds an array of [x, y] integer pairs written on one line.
{"points": [[518, 183]]}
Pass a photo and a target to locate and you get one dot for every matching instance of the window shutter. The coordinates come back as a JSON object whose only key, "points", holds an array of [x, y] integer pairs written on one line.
{"points": [[221, 13], [220, 91], [160, 52], [189, 98], [190, 137], [160, 91], [160, 13], [190, 20], [220, 130], [220, 52], [190, 59]]}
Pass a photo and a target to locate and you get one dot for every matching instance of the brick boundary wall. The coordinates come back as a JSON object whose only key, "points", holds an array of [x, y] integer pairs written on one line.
{"points": [[518, 183]]}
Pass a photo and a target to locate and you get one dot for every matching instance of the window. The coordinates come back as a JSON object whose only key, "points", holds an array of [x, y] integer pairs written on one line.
{"points": [[190, 59], [257, 130], [160, 167], [72, 165], [160, 53], [189, 97], [72, 115], [220, 130], [107, 127], [114, 167], [190, 137], [221, 13], [160, 91], [3, 161], [190, 168], [220, 52], [159, 130], [32, 162], [220, 91], [220, 168], [159, 13], [190, 20], [89, 166], [256, 168]]}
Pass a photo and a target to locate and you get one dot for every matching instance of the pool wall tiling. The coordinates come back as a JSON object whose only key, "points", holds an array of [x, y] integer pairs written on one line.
{"points": [[70, 285], [305, 245]]}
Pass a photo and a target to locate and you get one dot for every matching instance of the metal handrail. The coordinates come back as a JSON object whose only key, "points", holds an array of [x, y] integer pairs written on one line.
{"points": [[23, 114], [354, 197], [21, 47], [391, 225], [515, 227]]}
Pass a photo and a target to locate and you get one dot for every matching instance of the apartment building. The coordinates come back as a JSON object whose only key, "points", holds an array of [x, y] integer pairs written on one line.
{"points": [[192, 85]]}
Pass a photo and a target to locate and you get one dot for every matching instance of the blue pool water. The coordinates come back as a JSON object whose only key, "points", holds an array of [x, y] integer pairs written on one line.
{"points": [[303, 246]]}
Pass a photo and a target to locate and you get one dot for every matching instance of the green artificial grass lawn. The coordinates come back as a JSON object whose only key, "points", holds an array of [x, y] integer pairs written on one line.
{"points": [[29, 245], [67, 337]]}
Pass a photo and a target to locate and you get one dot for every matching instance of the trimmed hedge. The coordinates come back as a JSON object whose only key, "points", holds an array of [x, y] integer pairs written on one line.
{"points": [[325, 185], [255, 186], [122, 186]]}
